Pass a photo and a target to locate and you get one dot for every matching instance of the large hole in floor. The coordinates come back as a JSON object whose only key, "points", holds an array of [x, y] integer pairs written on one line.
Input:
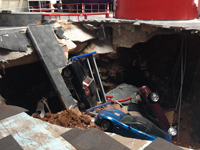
{"points": [[25, 85], [160, 63]]}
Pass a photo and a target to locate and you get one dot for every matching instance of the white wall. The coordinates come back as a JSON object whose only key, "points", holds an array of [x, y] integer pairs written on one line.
{"points": [[14, 5]]}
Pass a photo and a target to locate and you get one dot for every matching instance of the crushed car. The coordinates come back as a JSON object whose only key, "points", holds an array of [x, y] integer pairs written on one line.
{"points": [[153, 111], [80, 84], [124, 124]]}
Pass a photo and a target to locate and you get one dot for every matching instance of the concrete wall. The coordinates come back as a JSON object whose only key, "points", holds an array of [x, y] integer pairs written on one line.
{"points": [[14, 5]]}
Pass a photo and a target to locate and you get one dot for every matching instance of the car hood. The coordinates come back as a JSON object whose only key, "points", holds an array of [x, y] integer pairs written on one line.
{"points": [[117, 113]]}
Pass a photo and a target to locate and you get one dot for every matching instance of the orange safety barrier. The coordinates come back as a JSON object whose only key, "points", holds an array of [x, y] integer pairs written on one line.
{"points": [[59, 15]]}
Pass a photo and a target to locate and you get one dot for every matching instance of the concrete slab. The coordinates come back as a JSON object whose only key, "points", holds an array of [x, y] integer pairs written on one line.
{"points": [[33, 133], [101, 47], [78, 33]]}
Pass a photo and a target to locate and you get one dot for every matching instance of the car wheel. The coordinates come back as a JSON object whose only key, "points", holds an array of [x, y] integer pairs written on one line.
{"points": [[154, 98], [172, 131], [106, 125], [67, 72]]}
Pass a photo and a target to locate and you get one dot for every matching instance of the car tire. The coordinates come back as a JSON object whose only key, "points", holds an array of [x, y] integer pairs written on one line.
{"points": [[67, 72], [106, 125], [149, 97]]}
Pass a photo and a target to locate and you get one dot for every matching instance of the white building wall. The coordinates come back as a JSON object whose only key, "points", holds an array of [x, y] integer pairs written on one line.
{"points": [[14, 5]]}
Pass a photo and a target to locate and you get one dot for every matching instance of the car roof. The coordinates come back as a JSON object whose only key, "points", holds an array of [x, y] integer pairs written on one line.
{"points": [[115, 112]]}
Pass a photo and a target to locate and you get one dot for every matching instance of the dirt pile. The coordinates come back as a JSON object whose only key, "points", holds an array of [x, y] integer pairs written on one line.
{"points": [[116, 106], [74, 118], [69, 118]]}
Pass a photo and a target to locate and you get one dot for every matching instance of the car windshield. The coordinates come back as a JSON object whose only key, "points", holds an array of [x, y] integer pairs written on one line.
{"points": [[142, 124]]}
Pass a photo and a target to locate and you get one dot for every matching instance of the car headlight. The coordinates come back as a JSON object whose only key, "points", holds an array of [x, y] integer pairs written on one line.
{"points": [[172, 131], [154, 97]]}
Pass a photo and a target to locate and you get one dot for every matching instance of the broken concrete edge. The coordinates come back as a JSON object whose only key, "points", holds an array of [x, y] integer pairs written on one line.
{"points": [[189, 24], [67, 45], [23, 58], [124, 26], [55, 132]]}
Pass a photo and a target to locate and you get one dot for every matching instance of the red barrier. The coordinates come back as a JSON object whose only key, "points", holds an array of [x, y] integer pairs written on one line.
{"points": [[156, 9], [109, 99], [99, 13]]}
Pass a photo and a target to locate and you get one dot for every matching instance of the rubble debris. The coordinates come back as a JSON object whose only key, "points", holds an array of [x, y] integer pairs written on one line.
{"points": [[73, 118], [68, 43], [60, 33], [77, 47], [100, 46], [116, 106], [101, 105], [69, 118], [40, 107], [90, 26], [77, 32]]}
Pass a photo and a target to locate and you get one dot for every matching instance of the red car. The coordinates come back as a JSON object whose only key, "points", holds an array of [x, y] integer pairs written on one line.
{"points": [[153, 111]]}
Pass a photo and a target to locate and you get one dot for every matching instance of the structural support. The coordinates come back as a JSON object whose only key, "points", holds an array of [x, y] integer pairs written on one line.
{"points": [[97, 78]]}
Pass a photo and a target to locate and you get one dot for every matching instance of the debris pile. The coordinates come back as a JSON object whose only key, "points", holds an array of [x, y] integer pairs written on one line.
{"points": [[116, 106], [74, 118], [69, 118]]}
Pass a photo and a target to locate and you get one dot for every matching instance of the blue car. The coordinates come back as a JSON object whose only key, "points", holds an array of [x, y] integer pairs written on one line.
{"points": [[130, 126]]}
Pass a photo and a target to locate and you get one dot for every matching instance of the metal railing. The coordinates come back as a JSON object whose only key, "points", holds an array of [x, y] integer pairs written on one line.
{"points": [[76, 9]]}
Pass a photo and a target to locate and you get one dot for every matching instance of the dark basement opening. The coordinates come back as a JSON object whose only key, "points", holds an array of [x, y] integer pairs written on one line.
{"points": [[155, 63], [25, 85]]}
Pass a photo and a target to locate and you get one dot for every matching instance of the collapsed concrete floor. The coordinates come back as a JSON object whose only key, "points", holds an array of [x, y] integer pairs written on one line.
{"points": [[156, 63]]}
